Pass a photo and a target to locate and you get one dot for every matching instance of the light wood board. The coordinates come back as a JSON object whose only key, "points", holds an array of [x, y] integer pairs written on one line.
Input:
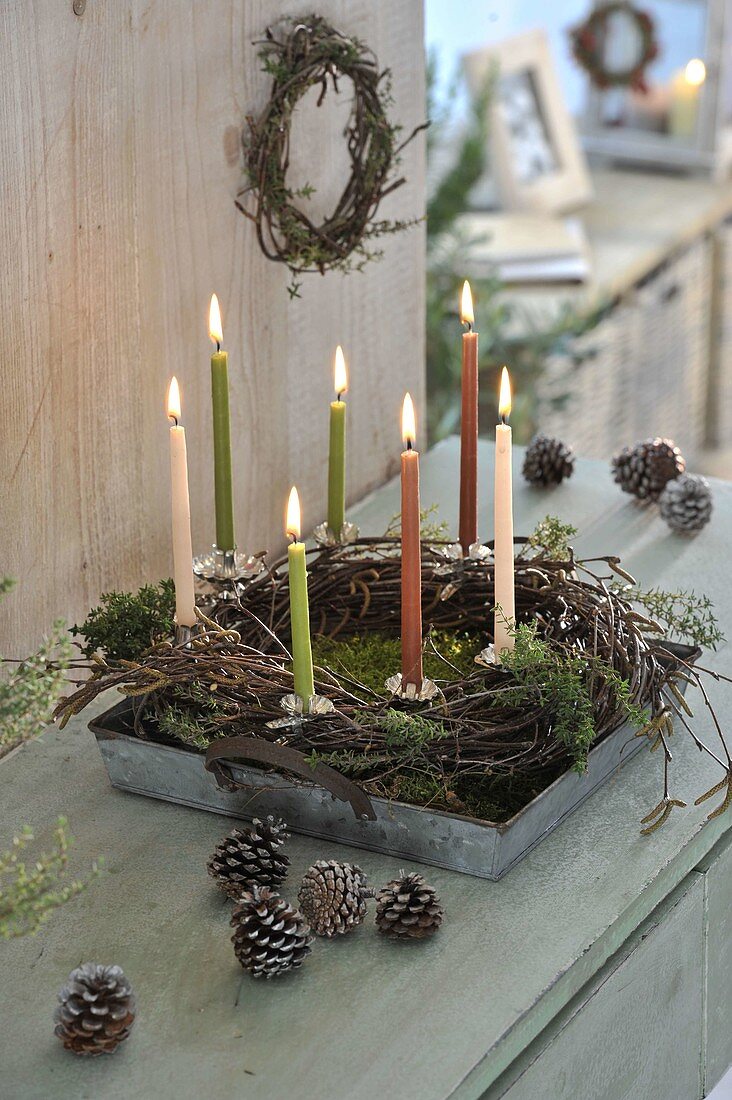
{"points": [[119, 145]]}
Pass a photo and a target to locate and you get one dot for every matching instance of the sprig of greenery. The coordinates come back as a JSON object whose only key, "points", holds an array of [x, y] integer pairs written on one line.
{"points": [[686, 615], [450, 198], [191, 716], [127, 624], [560, 681], [31, 689], [343, 760], [551, 538], [31, 890], [406, 733], [431, 527]]}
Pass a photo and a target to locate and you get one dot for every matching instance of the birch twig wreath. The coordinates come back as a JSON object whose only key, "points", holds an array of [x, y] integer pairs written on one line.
{"points": [[299, 55]]}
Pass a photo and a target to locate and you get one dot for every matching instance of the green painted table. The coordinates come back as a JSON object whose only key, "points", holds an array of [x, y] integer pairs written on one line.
{"points": [[599, 968]]}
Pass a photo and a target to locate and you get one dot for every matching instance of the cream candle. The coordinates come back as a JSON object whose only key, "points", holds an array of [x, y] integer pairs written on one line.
{"points": [[468, 527], [411, 554], [686, 89], [337, 449], [504, 598], [302, 653], [185, 604]]}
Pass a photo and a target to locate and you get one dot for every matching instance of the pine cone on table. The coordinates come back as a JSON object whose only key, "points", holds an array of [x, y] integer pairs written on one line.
{"points": [[333, 897], [686, 503], [408, 908], [249, 856], [96, 1010], [270, 935], [547, 461], [645, 468]]}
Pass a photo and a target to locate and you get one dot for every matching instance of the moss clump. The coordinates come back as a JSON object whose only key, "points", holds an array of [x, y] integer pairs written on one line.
{"points": [[498, 797], [368, 660]]}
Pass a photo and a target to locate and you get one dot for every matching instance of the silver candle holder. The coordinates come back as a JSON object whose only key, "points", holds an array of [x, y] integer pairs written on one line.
{"points": [[227, 565]]}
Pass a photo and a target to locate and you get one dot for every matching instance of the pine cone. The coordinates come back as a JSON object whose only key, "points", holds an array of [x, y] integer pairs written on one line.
{"points": [[270, 935], [96, 1010], [645, 468], [408, 908], [333, 897], [547, 461], [249, 856], [686, 503]]}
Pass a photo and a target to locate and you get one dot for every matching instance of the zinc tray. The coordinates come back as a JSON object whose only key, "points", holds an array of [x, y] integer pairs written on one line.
{"points": [[482, 848]]}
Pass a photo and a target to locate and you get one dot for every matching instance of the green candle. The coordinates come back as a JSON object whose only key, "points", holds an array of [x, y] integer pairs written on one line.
{"points": [[337, 453], [302, 654], [224, 495]]}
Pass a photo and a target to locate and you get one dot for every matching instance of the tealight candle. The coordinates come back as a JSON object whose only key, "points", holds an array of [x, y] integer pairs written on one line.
{"points": [[411, 554], [302, 653], [505, 599], [185, 603]]}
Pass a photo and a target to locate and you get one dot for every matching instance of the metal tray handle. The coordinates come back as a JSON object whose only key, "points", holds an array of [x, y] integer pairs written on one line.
{"points": [[287, 759]]}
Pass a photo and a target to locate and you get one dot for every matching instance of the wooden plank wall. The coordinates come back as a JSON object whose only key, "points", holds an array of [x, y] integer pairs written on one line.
{"points": [[119, 155]]}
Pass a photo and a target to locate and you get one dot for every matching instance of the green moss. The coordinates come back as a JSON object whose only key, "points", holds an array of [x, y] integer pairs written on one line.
{"points": [[498, 797], [370, 659]]}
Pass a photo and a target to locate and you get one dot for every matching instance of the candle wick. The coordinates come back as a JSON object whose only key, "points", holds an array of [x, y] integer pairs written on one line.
{"points": [[409, 444], [468, 326], [503, 419], [218, 347], [174, 418], [339, 396]]}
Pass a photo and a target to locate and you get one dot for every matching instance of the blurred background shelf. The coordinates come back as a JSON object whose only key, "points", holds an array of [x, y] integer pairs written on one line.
{"points": [[644, 346]]}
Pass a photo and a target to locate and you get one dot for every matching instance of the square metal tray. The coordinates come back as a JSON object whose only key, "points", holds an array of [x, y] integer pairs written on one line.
{"points": [[482, 848]]}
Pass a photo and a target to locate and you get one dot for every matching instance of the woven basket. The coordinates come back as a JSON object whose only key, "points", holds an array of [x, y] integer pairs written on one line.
{"points": [[643, 369]]}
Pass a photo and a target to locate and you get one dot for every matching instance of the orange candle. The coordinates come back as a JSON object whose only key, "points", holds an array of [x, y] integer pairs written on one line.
{"points": [[411, 554], [468, 530]]}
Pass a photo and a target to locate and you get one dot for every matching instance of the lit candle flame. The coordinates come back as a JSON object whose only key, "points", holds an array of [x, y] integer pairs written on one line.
{"points": [[409, 427], [695, 72], [504, 399], [215, 330], [174, 399], [339, 370], [292, 522], [467, 315]]}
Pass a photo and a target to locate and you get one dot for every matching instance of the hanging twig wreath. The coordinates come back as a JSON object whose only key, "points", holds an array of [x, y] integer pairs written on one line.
{"points": [[300, 55], [589, 40]]}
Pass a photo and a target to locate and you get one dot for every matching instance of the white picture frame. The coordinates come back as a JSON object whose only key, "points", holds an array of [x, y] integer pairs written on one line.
{"points": [[536, 158]]}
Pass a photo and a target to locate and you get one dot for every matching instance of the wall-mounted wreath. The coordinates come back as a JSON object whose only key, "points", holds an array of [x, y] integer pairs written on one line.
{"points": [[591, 37], [298, 55]]}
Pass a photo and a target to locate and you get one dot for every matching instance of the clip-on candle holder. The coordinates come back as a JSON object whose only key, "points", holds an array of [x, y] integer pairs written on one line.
{"points": [[298, 711], [185, 634], [409, 692], [227, 565], [324, 536]]}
